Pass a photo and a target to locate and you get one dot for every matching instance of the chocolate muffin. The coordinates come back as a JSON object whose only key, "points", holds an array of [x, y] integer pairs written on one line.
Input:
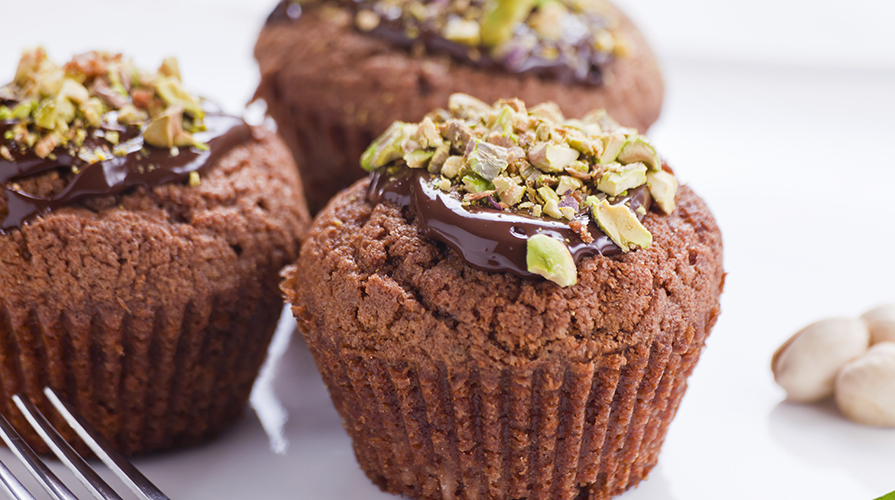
{"points": [[510, 306], [336, 74], [142, 237]]}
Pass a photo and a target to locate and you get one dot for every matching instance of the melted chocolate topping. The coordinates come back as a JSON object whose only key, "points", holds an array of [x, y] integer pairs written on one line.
{"points": [[141, 166], [516, 61], [487, 238]]}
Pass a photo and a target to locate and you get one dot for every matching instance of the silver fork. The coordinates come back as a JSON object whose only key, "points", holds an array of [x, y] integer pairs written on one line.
{"points": [[14, 489]]}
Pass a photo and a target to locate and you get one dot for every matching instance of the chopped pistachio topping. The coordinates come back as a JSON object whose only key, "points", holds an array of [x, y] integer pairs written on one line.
{"points": [[620, 224], [578, 33], [550, 258], [57, 107], [533, 162]]}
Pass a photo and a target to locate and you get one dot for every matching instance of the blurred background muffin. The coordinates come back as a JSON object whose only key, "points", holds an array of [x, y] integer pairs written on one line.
{"points": [[336, 74]]}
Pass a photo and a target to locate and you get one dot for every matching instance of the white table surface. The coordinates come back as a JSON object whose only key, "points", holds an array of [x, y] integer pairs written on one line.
{"points": [[785, 127]]}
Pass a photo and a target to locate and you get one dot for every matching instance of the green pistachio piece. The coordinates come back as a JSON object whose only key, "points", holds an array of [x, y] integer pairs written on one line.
{"points": [[612, 146], [501, 18], [466, 107], [387, 147], [46, 114], [548, 20], [585, 145], [93, 110], [439, 156], [23, 110], [65, 111], [662, 187], [5, 113], [462, 31], [551, 157], [132, 115], [487, 160], [620, 224], [618, 179], [166, 130], [639, 150], [452, 166], [551, 258], [171, 91], [547, 194], [418, 159], [475, 184]]}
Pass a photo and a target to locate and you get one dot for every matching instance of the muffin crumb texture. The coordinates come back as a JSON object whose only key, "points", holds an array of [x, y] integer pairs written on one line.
{"points": [[459, 383], [151, 311]]}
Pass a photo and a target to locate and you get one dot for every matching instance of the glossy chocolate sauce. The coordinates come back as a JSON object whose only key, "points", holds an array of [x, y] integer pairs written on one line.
{"points": [[515, 61], [142, 166], [487, 238]]}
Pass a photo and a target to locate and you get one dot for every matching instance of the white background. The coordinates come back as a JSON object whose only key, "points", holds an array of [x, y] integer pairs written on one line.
{"points": [[780, 113]]}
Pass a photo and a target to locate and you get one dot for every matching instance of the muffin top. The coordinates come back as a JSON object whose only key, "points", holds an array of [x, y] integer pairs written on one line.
{"points": [[98, 126], [524, 191], [568, 40]]}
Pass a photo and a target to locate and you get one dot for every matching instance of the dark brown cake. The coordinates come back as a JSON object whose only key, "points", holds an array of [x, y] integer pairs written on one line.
{"points": [[332, 89], [149, 309], [455, 382]]}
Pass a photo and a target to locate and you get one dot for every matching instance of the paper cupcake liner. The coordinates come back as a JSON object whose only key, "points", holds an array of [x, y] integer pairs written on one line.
{"points": [[147, 378], [585, 430]]}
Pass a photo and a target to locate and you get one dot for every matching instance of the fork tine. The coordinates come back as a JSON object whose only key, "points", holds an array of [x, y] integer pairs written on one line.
{"points": [[137, 482], [65, 452], [35, 466], [11, 486]]}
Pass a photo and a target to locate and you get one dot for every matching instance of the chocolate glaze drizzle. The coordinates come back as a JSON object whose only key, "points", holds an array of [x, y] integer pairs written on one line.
{"points": [[516, 61], [141, 166], [487, 238]]}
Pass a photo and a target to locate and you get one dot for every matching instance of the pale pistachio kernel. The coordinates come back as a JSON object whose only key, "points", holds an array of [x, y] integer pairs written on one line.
{"points": [[551, 258], [620, 178], [551, 208], [462, 31], [93, 110], [604, 41], [426, 134], [466, 107], [441, 154], [620, 224], [170, 67], [569, 212], [387, 147], [509, 191], [452, 166], [548, 111], [73, 91], [551, 157], [601, 118], [612, 146], [662, 187], [171, 91], [132, 115], [166, 130], [475, 184], [487, 160], [444, 185], [568, 184], [639, 150], [195, 180], [366, 20]]}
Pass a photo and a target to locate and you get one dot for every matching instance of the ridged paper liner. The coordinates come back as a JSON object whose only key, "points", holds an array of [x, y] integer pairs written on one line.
{"points": [[147, 378], [582, 431]]}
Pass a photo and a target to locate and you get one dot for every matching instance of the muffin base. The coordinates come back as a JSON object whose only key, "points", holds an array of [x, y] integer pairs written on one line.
{"points": [[456, 383]]}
